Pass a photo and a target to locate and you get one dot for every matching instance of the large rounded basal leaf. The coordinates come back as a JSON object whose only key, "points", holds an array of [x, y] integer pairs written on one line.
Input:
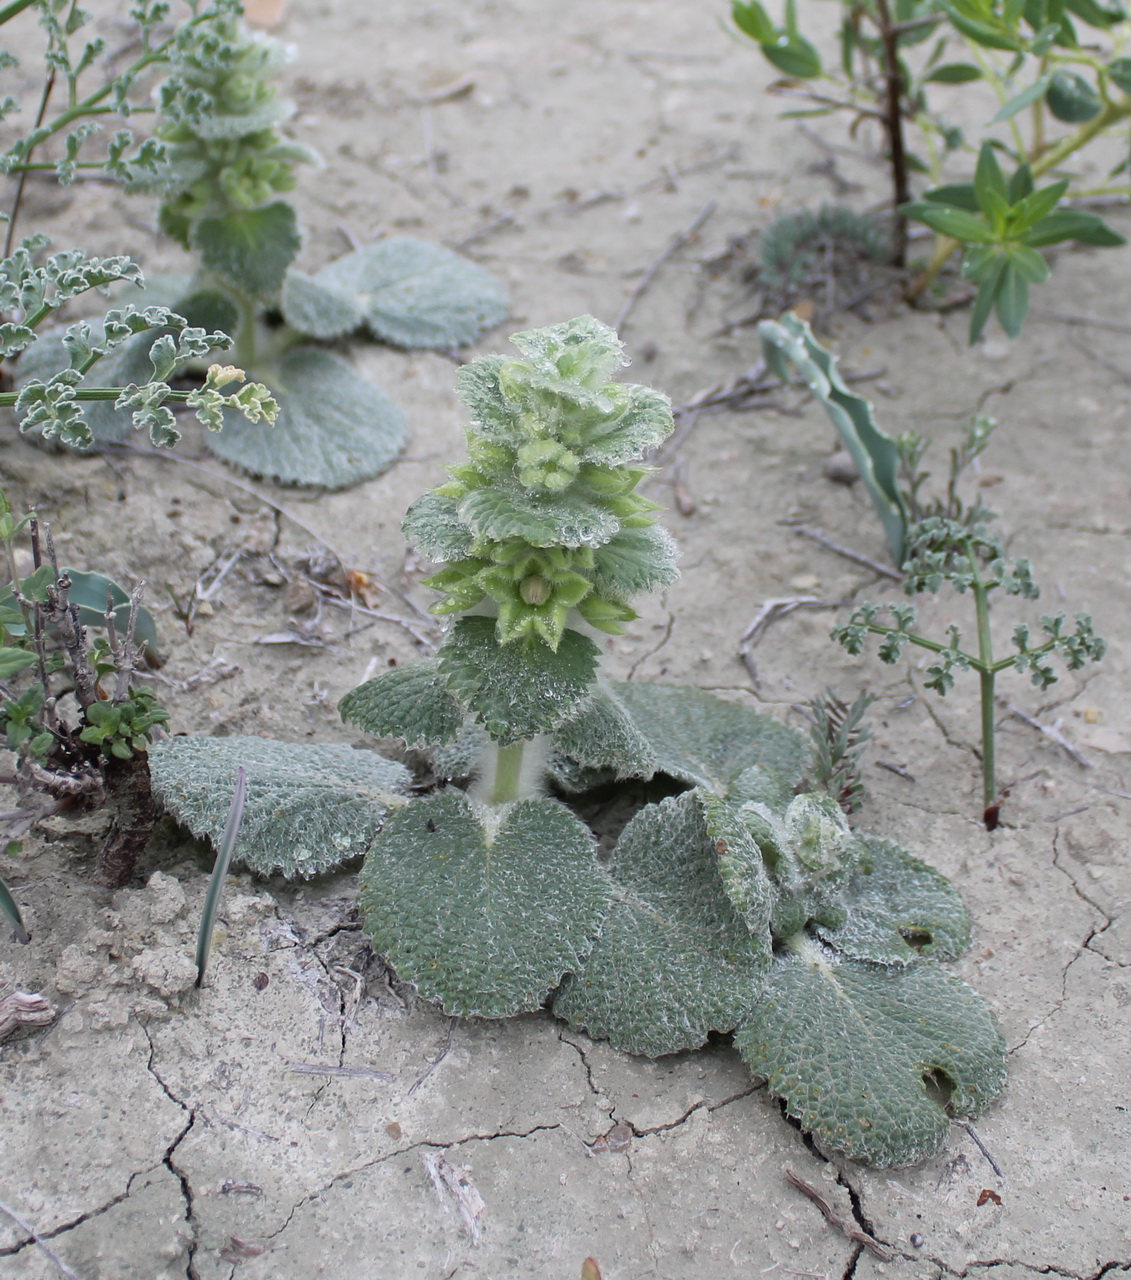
{"points": [[707, 742], [484, 920], [521, 689], [416, 294], [851, 1047], [334, 427], [250, 248], [310, 807], [411, 703], [674, 961], [498, 513], [317, 308], [602, 735], [899, 910]]}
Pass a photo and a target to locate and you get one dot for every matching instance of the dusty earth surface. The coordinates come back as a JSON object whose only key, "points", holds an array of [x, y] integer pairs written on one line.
{"points": [[294, 1118]]}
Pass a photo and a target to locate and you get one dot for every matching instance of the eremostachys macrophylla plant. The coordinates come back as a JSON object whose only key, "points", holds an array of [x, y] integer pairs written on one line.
{"points": [[741, 902]]}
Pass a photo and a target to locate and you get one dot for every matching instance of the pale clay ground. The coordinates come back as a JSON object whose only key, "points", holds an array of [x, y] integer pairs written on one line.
{"points": [[154, 1132]]}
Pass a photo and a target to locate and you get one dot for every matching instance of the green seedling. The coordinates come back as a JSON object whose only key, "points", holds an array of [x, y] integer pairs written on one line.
{"points": [[222, 169], [68, 376], [972, 560], [11, 912], [98, 753], [1042, 69], [1003, 224], [736, 900]]}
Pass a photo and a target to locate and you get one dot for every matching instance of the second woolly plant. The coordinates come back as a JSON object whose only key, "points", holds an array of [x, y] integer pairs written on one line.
{"points": [[736, 900]]}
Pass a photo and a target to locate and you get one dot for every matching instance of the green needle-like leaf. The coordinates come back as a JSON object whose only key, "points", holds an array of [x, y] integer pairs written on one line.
{"points": [[851, 1047], [224, 852], [309, 807], [674, 961], [11, 912], [484, 919], [898, 909]]}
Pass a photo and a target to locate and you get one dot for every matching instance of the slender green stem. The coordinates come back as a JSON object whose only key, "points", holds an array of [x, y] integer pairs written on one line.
{"points": [[986, 675], [10, 10], [1111, 114], [508, 772], [95, 393]]}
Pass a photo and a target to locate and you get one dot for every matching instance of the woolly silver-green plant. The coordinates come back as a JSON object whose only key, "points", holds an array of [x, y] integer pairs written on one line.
{"points": [[734, 906], [225, 166]]}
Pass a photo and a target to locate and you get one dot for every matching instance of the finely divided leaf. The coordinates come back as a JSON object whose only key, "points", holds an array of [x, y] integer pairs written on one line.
{"points": [[334, 427], [674, 961], [901, 910], [415, 294], [603, 736], [484, 920], [707, 742], [850, 1048], [521, 689], [411, 703], [309, 807]]}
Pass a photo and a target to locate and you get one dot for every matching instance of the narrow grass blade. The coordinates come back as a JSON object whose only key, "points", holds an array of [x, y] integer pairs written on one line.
{"points": [[12, 913], [220, 873]]}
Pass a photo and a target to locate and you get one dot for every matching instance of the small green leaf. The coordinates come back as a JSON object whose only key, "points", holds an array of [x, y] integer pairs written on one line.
{"points": [[795, 56], [958, 195], [1072, 99], [707, 742], [953, 73], [411, 703], [673, 961], [13, 661], [1024, 99], [849, 1047], [899, 909], [516, 690], [1119, 72], [252, 248], [309, 807], [434, 528], [334, 427], [1072, 224], [484, 920], [416, 294], [964, 226], [1012, 298], [752, 20], [1096, 14]]}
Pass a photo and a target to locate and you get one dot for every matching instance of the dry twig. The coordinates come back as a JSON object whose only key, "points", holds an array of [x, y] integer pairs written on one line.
{"points": [[677, 242], [1051, 732], [850, 1229]]}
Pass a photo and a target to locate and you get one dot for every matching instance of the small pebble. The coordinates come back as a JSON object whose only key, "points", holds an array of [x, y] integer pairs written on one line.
{"points": [[840, 468], [917, 1241]]}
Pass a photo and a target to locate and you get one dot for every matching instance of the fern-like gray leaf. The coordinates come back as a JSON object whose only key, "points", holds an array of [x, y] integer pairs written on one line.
{"points": [[521, 689], [708, 742], [898, 909], [416, 294], [411, 703], [674, 961], [854, 1050], [310, 807], [334, 427], [484, 920]]}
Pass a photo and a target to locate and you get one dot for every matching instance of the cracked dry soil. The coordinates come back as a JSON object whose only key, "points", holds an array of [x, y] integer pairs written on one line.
{"points": [[282, 1123]]}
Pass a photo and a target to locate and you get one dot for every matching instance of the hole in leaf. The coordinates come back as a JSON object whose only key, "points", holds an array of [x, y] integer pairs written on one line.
{"points": [[917, 938], [939, 1087]]}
